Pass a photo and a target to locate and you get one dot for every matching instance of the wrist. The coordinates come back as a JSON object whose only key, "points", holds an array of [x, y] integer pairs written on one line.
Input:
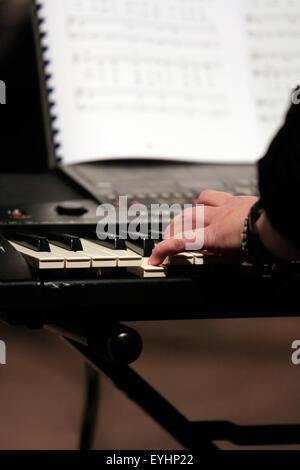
{"points": [[255, 252]]}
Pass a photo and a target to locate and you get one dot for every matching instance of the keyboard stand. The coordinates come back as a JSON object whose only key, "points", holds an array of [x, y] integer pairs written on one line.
{"points": [[193, 436], [154, 404]]}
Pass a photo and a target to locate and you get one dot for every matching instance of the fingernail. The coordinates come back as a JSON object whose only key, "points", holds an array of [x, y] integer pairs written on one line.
{"points": [[151, 261]]}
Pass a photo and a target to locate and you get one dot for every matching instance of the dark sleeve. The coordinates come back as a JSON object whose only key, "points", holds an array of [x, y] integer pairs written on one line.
{"points": [[279, 178]]}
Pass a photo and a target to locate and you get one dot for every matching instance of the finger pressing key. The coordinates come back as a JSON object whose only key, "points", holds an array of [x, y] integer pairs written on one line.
{"points": [[168, 247]]}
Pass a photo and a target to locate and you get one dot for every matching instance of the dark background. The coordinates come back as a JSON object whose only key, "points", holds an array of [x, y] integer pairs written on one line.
{"points": [[22, 140]]}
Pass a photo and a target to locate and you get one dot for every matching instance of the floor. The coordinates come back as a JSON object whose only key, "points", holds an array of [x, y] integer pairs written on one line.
{"points": [[237, 370]]}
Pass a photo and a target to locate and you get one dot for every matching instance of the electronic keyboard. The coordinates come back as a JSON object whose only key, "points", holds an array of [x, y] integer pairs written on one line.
{"points": [[54, 267], [59, 237]]}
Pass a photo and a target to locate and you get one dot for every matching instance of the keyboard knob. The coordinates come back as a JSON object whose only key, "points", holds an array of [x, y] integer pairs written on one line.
{"points": [[117, 343], [71, 209]]}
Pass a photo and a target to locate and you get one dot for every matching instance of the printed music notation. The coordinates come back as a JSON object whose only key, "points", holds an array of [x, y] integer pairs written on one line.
{"points": [[273, 35], [147, 85], [152, 56], [148, 70]]}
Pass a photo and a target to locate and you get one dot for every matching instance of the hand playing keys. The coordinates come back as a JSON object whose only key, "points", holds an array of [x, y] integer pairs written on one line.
{"points": [[224, 216]]}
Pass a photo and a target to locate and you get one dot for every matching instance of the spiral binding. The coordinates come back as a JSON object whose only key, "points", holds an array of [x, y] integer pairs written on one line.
{"points": [[46, 59]]}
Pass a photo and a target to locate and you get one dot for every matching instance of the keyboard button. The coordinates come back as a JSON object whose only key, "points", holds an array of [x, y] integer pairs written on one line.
{"points": [[17, 213], [71, 209], [112, 197], [188, 195], [244, 182], [241, 191], [135, 203]]}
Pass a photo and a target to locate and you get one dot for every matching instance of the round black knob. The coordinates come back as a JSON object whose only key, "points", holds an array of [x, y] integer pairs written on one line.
{"points": [[117, 343], [71, 209], [125, 347]]}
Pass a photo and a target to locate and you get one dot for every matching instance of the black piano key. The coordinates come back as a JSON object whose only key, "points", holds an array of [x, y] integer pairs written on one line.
{"points": [[140, 243], [32, 241], [114, 242], [142, 246], [65, 240]]}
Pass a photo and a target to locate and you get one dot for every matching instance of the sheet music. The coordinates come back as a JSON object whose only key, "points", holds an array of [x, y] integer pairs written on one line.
{"points": [[273, 35], [204, 80]]}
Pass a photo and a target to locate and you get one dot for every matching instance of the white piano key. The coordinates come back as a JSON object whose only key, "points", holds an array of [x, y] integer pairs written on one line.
{"points": [[128, 258], [125, 258], [41, 259], [198, 258], [181, 259], [99, 257], [73, 259], [146, 270]]}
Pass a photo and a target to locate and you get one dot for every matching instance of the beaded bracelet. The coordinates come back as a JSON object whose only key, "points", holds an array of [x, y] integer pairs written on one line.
{"points": [[244, 235], [254, 252], [244, 238]]}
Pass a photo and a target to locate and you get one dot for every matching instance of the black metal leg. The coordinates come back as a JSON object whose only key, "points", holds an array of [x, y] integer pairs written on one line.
{"points": [[117, 346], [89, 420], [249, 435], [150, 401]]}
